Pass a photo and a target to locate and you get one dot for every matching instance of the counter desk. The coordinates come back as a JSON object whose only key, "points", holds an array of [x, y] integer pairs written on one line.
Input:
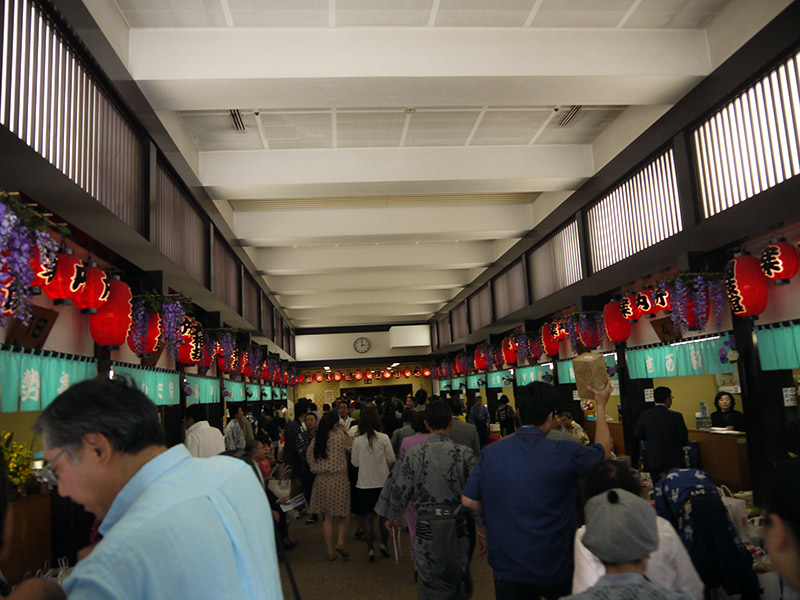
{"points": [[724, 457]]}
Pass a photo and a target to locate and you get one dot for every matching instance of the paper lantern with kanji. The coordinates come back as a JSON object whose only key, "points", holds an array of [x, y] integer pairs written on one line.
{"points": [[407, 373], [550, 344], [319, 377], [780, 261], [662, 299], [629, 309], [190, 351], [358, 375], [69, 280], [149, 341], [746, 286], [479, 358], [95, 293], [301, 377], [337, 376], [41, 275], [387, 374], [618, 328], [645, 302], [369, 374], [558, 330], [426, 372], [110, 324], [510, 350]]}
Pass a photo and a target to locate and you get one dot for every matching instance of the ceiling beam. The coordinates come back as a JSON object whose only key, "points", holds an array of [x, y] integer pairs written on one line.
{"points": [[376, 279]]}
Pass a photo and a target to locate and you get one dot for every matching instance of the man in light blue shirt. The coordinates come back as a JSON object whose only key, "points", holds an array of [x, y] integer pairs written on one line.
{"points": [[173, 526]]}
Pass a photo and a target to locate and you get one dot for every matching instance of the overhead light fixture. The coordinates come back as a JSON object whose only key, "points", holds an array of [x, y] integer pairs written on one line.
{"points": [[395, 364], [570, 115], [236, 117], [327, 368]]}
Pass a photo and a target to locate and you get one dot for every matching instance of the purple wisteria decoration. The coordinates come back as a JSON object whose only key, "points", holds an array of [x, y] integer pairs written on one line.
{"points": [[716, 293], [227, 344], [140, 321], [572, 330], [600, 323], [171, 321], [680, 298], [256, 358], [700, 298], [187, 389]]}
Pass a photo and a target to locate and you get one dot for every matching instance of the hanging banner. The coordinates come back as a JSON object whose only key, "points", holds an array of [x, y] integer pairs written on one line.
{"points": [[458, 383], [476, 382], [58, 374], [252, 392], [499, 379], [235, 390], [30, 382], [159, 385], [679, 360], [266, 392], [205, 390], [9, 381], [779, 347], [566, 374], [284, 394], [30, 385], [444, 385]]}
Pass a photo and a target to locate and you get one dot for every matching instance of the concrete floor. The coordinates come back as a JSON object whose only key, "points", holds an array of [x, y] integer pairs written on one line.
{"points": [[317, 578]]}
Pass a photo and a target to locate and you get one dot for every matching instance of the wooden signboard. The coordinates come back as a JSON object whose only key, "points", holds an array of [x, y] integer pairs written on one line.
{"points": [[34, 334]]}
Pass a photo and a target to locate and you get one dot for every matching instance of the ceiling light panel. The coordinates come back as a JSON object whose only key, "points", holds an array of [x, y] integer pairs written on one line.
{"points": [[181, 13], [213, 131], [587, 124], [483, 13], [383, 13], [594, 14], [369, 129], [297, 131], [279, 13], [691, 14], [508, 127], [441, 128]]}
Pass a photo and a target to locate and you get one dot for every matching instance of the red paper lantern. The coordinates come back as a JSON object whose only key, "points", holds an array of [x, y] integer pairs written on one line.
{"points": [[780, 261], [301, 378], [285, 378], [629, 308], [5, 294], [618, 328], [337, 376], [248, 369], [95, 293], [407, 373], [558, 330], [458, 366], [110, 325], [645, 302], [151, 338], [387, 374], [480, 359], [223, 365], [318, 377], [589, 336], [661, 298], [746, 286], [426, 371], [42, 276], [510, 350], [190, 351], [369, 374], [69, 280], [358, 375], [550, 344]]}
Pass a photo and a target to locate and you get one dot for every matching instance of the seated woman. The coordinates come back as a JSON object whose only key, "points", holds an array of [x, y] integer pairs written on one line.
{"points": [[725, 416]]}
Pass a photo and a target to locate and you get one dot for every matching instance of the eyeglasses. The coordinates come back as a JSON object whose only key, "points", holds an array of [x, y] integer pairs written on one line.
{"points": [[46, 474]]}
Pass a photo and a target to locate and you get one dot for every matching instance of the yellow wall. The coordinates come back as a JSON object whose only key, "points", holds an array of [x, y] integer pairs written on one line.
{"points": [[20, 424], [688, 392]]}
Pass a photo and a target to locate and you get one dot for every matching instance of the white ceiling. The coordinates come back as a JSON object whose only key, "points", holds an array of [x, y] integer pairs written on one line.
{"points": [[394, 149]]}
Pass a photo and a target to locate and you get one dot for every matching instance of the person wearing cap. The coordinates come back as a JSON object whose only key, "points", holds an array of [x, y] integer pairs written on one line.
{"points": [[621, 531]]}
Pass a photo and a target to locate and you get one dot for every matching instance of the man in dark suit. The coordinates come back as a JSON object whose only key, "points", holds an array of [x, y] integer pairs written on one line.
{"points": [[665, 433]]}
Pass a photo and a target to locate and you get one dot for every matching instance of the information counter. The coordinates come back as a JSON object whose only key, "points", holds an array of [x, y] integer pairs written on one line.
{"points": [[724, 457]]}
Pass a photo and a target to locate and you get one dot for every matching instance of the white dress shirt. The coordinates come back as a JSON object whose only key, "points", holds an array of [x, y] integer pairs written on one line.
{"points": [[372, 461], [204, 441], [669, 567]]}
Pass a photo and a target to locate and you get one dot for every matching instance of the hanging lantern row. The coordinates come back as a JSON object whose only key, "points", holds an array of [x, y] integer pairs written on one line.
{"points": [[361, 375]]}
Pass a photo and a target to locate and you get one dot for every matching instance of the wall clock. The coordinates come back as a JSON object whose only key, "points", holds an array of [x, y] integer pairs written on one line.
{"points": [[361, 345]]}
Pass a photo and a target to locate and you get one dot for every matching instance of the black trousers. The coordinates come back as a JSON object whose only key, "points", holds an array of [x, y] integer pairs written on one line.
{"points": [[514, 590]]}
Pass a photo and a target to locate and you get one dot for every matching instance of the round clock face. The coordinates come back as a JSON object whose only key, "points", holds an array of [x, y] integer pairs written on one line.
{"points": [[361, 345]]}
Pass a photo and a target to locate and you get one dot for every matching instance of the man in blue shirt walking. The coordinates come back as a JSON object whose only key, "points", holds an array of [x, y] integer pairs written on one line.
{"points": [[526, 485], [173, 526]]}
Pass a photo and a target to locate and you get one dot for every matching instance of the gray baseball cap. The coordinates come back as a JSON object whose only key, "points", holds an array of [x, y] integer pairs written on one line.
{"points": [[620, 527]]}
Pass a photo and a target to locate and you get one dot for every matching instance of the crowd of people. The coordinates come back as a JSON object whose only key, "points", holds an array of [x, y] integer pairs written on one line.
{"points": [[555, 514]]}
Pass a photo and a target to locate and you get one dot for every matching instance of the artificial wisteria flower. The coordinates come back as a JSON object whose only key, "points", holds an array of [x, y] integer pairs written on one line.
{"points": [[680, 298], [171, 322], [140, 321], [716, 293], [700, 298]]}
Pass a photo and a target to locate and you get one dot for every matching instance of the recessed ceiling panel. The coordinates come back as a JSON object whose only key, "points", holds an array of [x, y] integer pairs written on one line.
{"points": [[381, 13], [279, 13], [483, 13], [183, 13], [369, 129], [304, 130], [441, 128], [508, 127], [675, 14], [213, 131], [587, 124], [594, 14]]}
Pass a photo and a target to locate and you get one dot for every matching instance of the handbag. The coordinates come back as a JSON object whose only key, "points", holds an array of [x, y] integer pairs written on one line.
{"points": [[737, 510]]}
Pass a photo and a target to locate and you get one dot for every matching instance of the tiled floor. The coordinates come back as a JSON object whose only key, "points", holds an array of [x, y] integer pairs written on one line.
{"points": [[358, 578]]}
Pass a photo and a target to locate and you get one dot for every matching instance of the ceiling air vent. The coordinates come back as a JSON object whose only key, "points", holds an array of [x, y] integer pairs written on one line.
{"points": [[238, 123], [570, 115]]}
